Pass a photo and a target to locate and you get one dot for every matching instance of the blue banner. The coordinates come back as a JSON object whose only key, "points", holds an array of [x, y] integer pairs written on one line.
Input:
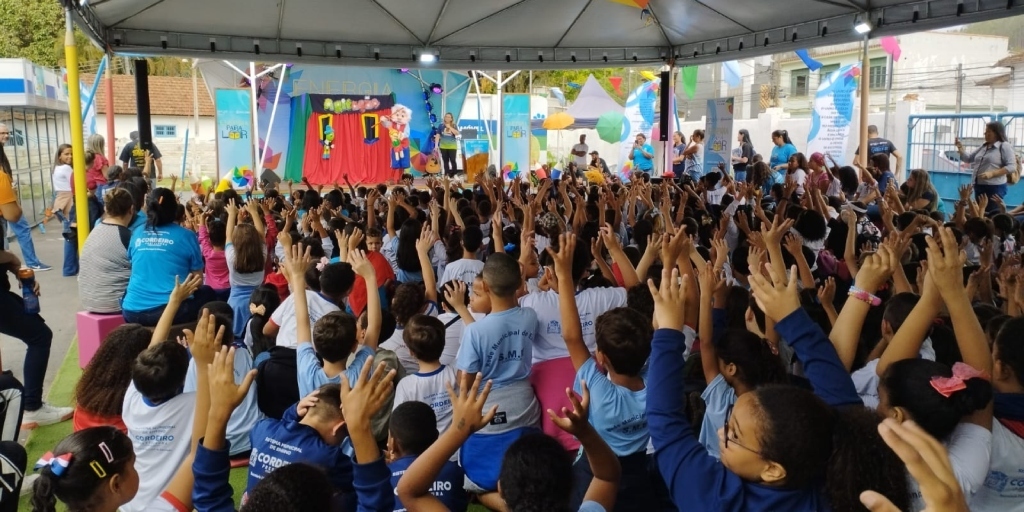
{"points": [[234, 131], [515, 142]]}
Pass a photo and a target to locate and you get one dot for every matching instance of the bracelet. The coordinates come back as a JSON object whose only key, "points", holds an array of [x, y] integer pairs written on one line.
{"points": [[864, 296]]}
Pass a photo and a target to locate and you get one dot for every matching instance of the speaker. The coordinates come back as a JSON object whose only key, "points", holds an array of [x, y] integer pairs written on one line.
{"points": [[665, 103], [142, 104]]}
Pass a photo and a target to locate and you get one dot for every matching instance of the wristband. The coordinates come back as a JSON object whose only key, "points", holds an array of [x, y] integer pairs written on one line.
{"points": [[864, 296]]}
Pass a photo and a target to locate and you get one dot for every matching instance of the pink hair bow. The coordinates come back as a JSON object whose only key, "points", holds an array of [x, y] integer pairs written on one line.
{"points": [[322, 263], [962, 372], [56, 464]]}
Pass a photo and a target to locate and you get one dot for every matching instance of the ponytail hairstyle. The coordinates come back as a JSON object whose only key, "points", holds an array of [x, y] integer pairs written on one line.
{"points": [[262, 303], [909, 384], [817, 443], [408, 258], [161, 208], [1008, 351], [80, 468], [250, 249], [782, 134], [756, 365], [118, 202]]}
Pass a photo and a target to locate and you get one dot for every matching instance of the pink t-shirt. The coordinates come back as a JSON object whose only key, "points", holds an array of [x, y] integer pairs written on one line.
{"points": [[549, 379], [216, 275]]}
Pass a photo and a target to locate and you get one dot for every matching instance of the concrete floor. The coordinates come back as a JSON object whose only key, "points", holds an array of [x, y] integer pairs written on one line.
{"points": [[58, 302]]}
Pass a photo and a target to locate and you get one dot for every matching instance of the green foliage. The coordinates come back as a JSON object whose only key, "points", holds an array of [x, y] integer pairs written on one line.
{"points": [[1011, 28], [28, 29]]}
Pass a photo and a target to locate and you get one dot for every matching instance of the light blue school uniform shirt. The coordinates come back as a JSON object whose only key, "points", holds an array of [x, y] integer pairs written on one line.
{"points": [[247, 414], [620, 415], [157, 256], [311, 375], [500, 346], [641, 162], [718, 397]]}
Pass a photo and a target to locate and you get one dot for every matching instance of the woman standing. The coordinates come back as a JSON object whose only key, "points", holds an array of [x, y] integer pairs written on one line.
{"points": [[63, 206], [678, 160], [992, 162], [783, 149], [447, 142], [743, 159], [694, 154]]}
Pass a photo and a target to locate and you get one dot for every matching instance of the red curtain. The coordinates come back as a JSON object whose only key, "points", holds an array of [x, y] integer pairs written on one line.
{"points": [[364, 163]]}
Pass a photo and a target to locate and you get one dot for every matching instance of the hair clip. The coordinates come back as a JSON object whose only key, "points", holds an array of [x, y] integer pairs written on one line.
{"points": [[322, 264], [58, 465], [260, 310], [962, 372]]}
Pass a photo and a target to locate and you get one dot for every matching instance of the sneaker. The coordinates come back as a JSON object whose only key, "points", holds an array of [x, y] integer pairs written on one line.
{"points": [[26, 484], [46, 415], [40, 267]]}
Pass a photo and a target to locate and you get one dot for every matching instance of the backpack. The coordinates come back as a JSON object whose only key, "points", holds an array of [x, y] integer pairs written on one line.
{"points": [[277, 382]]}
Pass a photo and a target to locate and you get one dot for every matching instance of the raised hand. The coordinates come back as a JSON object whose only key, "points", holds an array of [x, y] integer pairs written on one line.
{"points": [[775, 295], [827, 291], [945, 263], [877, 269], [362, 399], [468, 404], [297, 261], [183, 291], [574, 421], [772, 235], [564, 256], [225, 395], [426, 240], [360, 265], [455, 294], [670, 298], [206, 341]]}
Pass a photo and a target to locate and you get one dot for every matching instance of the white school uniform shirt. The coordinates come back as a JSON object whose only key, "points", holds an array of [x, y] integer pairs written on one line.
{"points": [[396, 344], [1003, 490], [430, 389], [284, 317], [866, 379], [62, 175], [161, 436], [592, 303], [464, 269], [453, 335], [969, 453]]}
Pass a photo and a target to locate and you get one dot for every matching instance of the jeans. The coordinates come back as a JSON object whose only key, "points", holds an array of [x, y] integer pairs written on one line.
{"points": [[24, 233], [448, 157], [990, 190], [33, 331], [187, 312], [70, 243], [741, 176]]}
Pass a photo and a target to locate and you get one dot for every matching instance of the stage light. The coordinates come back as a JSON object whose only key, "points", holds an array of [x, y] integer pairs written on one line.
{"points": [[428, 55], [472, 56], [403, 70], [863, 27], [572, 56], [163, 42], [376, 54], [436, 88], [508, 56], [256, 47], [213, 44]]}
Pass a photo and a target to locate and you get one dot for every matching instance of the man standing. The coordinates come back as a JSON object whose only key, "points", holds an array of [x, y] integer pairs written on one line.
{"points": [[132, 155], [579, 152], [29, 328], [879, 146], [20, 228]]}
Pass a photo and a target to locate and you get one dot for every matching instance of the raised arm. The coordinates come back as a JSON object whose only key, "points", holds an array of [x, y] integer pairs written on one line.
{"points": [[180, 293], [572, 333], [257, 219], [611, 241], [705, 329], [845, 335], [232, 209], [423, 245]]}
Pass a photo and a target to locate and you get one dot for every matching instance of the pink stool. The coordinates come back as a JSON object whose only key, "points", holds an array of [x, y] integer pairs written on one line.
{"points": [[92, 329]]}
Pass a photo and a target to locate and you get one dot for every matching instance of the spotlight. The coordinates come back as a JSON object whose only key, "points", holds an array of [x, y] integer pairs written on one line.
{"points": [[436, 88], [376, 54], [695, 54], [163, 42], [572, 56], [213, 44], [916, 16], [959, 8], [604, 57], [337, 51], [508, 56], [298, 49], [472, 56], [117, 41], [256, 47], [740, 48], [824, 30], [862, 27], [403, 70], [428, 55], [634, 57], [765, 41], [793, 37], [540, 56]]}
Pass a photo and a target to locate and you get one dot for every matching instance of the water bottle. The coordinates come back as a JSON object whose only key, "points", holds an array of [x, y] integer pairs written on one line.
{"points": [[28, 290]]}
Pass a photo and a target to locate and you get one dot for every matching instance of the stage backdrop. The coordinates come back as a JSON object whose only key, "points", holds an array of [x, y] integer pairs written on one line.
{"points": [[515, 142], [286, 156], [718, 135], [344, 136], [234, 130], [833, 112]]}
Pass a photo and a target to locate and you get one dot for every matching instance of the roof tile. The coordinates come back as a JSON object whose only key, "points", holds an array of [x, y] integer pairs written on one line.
{"points": [[168, 96]]}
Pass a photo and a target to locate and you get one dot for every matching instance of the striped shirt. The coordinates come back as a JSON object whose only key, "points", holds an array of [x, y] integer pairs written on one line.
{"points": [[104, 268]]}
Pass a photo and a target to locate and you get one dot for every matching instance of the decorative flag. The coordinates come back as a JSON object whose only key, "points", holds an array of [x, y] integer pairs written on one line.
{"points": [[558, 95], [573, 85], [891, 46], [633, 3], [616, 82], [688, 75], [731, 72], [811, 64]]}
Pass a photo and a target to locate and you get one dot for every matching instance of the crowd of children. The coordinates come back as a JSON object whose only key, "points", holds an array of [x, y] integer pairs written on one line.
{"points": [[790, 341]]}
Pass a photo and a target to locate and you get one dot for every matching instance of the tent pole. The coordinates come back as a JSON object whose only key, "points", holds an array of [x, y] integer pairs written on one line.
{"points": [[501, 124], [77, 137], [865, 84], [255, 115], [480, 115], [109, 79], [444, 91], [258, 171]]}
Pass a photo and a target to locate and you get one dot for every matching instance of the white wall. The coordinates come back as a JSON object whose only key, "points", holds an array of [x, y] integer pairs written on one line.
{"points": [[202, 150]]}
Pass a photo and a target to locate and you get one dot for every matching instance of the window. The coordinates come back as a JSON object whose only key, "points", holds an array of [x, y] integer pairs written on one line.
{"points": [[827, 70], [798, 79], [165, 130], [879, 69]]}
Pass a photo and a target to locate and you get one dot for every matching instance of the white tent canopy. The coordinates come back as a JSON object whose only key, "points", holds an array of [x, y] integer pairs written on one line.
{"points": [[505, 34]]}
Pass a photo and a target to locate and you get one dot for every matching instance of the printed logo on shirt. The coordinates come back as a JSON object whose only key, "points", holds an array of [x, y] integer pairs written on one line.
{"points": [[554, 327], [155, 438], [500, 418], [262, 463], [1005, 485]]}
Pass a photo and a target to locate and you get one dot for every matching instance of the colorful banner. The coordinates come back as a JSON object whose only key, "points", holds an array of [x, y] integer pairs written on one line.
{"points": [[833, 112], [718, 135], [639, 118], [234, 131], [476, 152], [515, 141]]}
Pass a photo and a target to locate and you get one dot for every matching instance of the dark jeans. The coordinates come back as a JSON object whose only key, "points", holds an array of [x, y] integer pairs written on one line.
{"points": [[636, 487], [990, 190], [187, 312], [33, 331], [448, 157]]}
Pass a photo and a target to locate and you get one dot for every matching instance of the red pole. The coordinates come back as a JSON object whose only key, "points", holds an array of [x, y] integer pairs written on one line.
{"points": [[109, 79]]}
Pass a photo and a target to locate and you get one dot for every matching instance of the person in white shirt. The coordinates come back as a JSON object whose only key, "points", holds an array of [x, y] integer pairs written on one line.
{"points": [[335, 282], [579, 153], [468, 267], [425, 338]]}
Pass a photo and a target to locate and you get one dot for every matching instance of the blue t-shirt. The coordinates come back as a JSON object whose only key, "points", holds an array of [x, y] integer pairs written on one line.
{"points": [[620, 415], [276, 443], [641, 162], [311, 376], [157, 256], [781, 154], [884, 180], [448, 488], [718, 397], [500, 346]]}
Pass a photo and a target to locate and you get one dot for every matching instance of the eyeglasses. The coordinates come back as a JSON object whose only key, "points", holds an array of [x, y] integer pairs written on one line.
{"points": [[728, 416]]}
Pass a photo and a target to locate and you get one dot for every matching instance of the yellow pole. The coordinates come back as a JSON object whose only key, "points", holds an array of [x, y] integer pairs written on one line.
{"points": [[77, 137]]}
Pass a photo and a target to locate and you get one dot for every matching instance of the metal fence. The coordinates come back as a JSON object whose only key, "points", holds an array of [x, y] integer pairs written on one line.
{"points": [[35, 136], [931, 146]]}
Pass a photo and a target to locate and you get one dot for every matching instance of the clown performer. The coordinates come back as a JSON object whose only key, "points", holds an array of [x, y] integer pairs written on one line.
{"points": [[398, 128]]}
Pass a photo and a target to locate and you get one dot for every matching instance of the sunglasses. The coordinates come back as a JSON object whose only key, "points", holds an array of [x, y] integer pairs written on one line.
{"points": [[728, 416]]}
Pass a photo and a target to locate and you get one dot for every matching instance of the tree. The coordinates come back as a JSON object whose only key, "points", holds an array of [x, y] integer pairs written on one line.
{"points": [[28, 28]]}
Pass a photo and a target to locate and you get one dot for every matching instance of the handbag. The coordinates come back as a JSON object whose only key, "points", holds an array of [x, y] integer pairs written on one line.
{"points": [[1014, 175]]}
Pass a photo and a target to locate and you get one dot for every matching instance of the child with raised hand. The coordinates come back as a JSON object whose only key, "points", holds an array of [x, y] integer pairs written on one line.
{"points": [[424, 337], [536, 473], [623, 344], [245, 253], [212, 238], [782, 447], [95, 468], [500, 346], [335, 333], [954, 405]]}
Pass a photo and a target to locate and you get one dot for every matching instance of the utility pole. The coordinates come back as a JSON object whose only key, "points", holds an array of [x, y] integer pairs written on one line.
{"points": [[959, 87]]}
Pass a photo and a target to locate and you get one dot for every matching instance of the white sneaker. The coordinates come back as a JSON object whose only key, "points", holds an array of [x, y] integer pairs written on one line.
{"points": [[46, 415], [26, 484]]}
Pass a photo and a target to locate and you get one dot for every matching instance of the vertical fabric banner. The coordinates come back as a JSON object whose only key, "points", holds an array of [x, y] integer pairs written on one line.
{"points": [[639, 118], [515, 142], [718, 135], [833, 111], [476, 152], [234, 130]]}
